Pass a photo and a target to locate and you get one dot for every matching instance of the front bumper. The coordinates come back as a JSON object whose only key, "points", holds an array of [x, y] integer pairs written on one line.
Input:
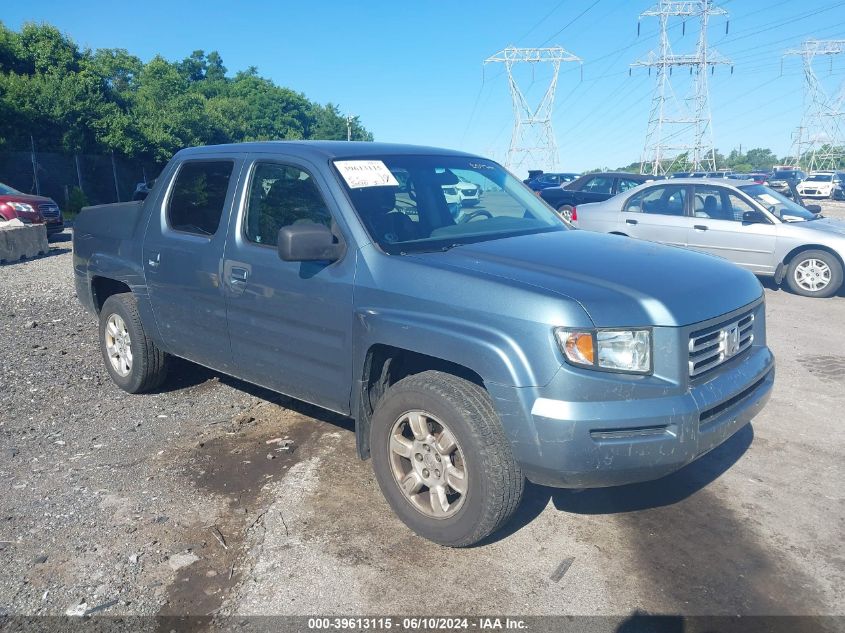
{"points": [[55, 226], [606, 443]]}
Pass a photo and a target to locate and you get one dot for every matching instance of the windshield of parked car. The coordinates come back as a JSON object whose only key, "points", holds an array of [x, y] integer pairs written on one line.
{"points": [[411, 204], [6, 190], [785, 174], [781, 206], [820, 177]]}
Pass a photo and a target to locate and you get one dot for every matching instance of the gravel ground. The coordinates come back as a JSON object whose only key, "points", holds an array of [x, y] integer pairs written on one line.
{"points": [[214, 496]]}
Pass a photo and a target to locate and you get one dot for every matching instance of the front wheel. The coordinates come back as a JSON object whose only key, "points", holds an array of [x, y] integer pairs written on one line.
{"points": [[133, 361], [442, 460], [814, 274]]}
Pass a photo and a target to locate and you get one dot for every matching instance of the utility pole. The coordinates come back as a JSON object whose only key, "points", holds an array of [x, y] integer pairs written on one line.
{"points": [[670, 119], [35, 180], [533, 144], [820, 135], [349, 119]]}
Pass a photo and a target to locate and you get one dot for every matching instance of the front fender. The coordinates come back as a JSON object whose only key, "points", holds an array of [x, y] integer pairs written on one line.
{"points": [[490, 353]]}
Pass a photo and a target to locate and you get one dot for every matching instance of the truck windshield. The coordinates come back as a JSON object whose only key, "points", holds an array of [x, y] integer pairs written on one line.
{"points": [[781, 206], [418, 203]]}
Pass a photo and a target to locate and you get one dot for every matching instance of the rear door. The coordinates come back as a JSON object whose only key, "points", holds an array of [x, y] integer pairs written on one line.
{"points": [[595, 189], [290, 322], [659, 214], [718, 229], [183, 259]]}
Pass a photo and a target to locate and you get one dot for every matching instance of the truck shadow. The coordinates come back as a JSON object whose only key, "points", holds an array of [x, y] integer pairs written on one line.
{"points": [[633, 497]]}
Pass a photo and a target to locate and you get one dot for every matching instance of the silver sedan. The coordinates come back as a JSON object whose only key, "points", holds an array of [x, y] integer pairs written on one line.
{"points": [[746, 223]]}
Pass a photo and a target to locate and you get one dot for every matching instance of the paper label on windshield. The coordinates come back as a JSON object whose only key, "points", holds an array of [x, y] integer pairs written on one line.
{"points": [[365, 173], [768, 198]]}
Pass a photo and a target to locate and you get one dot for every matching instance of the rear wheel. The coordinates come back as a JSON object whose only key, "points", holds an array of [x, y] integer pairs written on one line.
{"points": [[133, 361], [814, 274], [442, 459], [565, 211]]}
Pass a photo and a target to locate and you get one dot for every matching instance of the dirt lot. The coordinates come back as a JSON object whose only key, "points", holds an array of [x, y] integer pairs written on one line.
{"points": [[215, 497]]}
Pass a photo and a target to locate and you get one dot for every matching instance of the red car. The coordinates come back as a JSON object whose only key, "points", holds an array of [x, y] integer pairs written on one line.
{"points": [[30, 209]]}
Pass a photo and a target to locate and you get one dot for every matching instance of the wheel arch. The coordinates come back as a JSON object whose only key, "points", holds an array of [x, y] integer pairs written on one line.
{"points": [[812, 247], [385, 365], [104, 287]]}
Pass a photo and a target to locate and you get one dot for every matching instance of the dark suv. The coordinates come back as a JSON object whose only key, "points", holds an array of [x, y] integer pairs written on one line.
{"points": [[782, 178]]}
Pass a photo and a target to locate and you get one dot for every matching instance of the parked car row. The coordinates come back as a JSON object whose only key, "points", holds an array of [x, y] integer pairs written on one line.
{"points": [[744, 222], [590, 188], [30, 209]]}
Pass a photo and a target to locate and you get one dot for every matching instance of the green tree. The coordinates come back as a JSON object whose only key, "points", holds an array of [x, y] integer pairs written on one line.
{"points": [[108, 100]]}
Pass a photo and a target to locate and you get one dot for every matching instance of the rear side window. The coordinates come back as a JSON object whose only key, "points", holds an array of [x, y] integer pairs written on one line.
{"points": [[662, 200], [198, 195], [280, 196]]}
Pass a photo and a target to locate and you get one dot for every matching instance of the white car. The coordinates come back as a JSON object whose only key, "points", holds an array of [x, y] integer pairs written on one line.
{"points": [[823, 184], [453, 199], [469, 192]]}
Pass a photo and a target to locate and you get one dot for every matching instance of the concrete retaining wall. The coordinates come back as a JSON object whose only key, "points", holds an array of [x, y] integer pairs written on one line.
{"points": [[19, 241]]}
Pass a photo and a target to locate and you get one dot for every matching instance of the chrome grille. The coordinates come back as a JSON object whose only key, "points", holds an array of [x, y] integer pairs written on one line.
{"points": [[49, 210], [712, 346]]}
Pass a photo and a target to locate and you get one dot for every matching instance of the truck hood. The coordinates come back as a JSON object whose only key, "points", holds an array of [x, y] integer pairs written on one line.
{"points": [[618, 281]]}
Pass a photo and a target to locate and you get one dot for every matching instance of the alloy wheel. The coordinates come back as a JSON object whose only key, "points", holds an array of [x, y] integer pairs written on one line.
{"points": [[427, 464]]}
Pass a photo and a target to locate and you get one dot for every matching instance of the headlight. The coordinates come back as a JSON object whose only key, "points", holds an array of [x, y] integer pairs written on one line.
{"points": [[23, 207], [612, 350]]}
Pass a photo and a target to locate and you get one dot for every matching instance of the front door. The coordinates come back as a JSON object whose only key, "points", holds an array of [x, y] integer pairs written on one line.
{"points": [[289, 322], [183, 260], [718, 229]]}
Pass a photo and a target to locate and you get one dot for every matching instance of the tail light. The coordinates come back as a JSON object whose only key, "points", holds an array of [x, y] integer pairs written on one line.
{"points": [[574, 214]]}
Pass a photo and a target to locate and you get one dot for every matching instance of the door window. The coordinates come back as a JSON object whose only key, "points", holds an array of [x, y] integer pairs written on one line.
{"points": [[664, 200], [626, 183], [198, 195], [280, 196], [599, 184], [715, 203]]}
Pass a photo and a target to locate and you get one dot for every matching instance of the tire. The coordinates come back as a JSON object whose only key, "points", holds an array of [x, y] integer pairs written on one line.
{"points": [[146, 368], [809, 269], [492, 480], [565, 210]]}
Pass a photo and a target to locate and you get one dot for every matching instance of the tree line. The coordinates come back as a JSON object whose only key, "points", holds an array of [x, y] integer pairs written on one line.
{"points": [[60, 97]]}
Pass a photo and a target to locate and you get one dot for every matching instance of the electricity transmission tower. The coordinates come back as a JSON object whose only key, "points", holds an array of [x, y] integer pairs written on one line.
{"points": [[533, 140], [670, 119], [819, 141]]}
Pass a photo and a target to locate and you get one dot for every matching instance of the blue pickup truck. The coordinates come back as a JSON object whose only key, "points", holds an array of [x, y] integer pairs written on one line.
{"points": [[472, 352]]}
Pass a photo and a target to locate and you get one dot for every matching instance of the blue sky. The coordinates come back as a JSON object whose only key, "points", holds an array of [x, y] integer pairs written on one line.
{"points": [[413, 70]]}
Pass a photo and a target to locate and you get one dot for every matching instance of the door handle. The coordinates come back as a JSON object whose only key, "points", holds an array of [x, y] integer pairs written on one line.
{"points": [[154, 260], [631, 221], [238, 275], [700, 227]]}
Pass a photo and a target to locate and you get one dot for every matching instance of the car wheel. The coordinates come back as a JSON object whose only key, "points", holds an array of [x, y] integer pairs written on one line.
{"points": [[133, 361], [442, 460], [565, 211], [814, 274]]}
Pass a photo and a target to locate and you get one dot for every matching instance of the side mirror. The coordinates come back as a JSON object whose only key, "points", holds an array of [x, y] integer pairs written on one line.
{"points": [[813, 208], [307, 243], [754, 217]]}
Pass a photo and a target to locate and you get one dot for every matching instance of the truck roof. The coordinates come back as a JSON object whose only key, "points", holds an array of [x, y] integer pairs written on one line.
{"points": [[321, 149]]}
